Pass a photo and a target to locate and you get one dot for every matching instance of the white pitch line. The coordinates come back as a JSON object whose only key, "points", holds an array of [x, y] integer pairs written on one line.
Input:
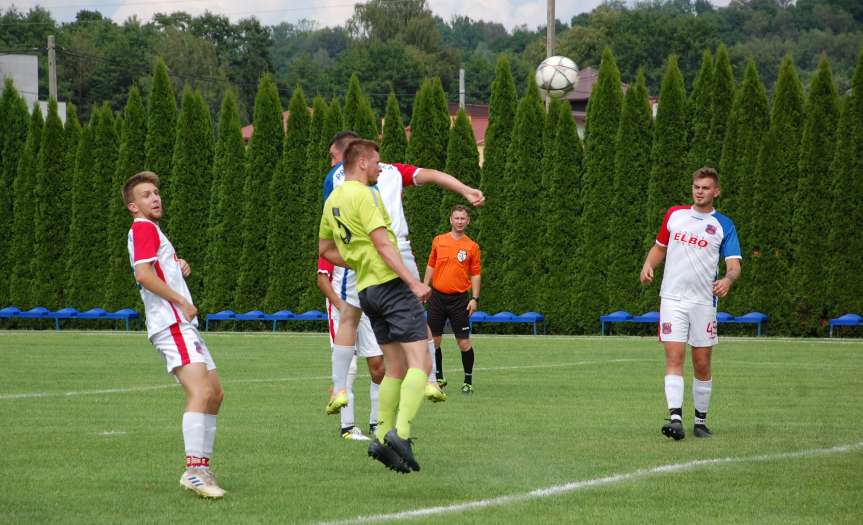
{"points": [[576, 486], [30, 395]]}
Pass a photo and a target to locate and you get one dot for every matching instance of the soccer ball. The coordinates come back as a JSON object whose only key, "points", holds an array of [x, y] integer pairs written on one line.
{"points": [[557, 76]]}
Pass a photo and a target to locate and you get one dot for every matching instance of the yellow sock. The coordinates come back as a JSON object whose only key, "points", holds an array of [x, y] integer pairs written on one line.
{"points": [[388, 402], [413, 388]]}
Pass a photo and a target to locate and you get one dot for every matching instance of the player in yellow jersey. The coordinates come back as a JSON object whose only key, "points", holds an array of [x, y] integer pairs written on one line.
{"points": [[356, 232]]}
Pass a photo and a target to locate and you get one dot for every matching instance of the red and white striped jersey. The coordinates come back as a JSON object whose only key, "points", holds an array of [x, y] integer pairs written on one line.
{"points": [[695, 241], [148, 245]]}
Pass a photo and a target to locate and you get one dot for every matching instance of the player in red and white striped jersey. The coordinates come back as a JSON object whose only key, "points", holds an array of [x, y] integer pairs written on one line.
{"points": [[172, 328]]}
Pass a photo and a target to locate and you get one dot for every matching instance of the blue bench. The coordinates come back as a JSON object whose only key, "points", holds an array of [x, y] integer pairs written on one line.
{"points": [[531, 318], [756, 318], [258, 315], [40, 312], [846, 320]]}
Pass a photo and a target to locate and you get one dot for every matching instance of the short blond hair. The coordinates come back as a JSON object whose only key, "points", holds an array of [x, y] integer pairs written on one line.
{"points": [[705, 173], [136, 179]]}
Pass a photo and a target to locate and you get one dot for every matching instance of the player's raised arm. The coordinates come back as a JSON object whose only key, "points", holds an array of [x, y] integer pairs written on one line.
{"points": [[448, 182]]}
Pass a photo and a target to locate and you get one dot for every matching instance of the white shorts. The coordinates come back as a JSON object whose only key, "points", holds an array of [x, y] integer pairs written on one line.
{"points": [[181, 344], [367, 345], [408, 258], [685, 322]]}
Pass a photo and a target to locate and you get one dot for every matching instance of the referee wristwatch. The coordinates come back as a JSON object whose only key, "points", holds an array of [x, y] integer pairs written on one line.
{"points": [[475, 298]]}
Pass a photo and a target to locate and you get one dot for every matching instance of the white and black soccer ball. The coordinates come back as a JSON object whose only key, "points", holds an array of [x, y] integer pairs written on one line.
{"points": [[556, 76]]}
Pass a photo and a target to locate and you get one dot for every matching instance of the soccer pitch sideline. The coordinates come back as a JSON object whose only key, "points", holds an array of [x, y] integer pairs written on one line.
{"points": [[560, 430]]}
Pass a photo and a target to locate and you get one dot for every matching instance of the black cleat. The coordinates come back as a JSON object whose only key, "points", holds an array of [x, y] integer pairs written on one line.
{"points": [[402, 447], [388, 457], [673, 429], [701, 431]]}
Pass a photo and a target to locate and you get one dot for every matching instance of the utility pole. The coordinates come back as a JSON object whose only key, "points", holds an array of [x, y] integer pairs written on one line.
{"points": [[549, 31], [52, 69], [461, 87]]}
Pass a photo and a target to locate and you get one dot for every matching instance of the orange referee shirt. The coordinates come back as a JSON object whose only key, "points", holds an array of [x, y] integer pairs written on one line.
{"points": [[454, 262]]}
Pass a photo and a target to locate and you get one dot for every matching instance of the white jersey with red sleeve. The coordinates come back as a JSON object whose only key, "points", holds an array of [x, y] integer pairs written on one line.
{"points": [[392, 180], [695, 241], [148, 245]]}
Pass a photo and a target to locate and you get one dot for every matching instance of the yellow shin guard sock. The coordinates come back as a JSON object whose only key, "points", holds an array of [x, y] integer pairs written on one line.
{"points": [[388, 403], [413, 388]]}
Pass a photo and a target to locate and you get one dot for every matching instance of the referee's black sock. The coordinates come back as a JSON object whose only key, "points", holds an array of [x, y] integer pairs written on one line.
{"points": [[438, 358], [467, 363]]}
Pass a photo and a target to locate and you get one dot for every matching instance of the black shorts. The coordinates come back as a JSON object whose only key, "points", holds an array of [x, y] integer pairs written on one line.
{"points": [[397, 316], [452, 306]]}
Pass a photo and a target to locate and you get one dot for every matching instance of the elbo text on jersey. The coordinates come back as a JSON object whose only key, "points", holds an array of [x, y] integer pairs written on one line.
{"points": [[690, 239]]}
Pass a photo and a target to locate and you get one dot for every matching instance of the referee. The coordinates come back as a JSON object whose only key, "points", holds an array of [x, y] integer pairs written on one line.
{"points": [[453, 269]]}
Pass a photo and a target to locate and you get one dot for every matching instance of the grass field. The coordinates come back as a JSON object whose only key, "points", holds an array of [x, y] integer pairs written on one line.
{"points": [[560, 430]]}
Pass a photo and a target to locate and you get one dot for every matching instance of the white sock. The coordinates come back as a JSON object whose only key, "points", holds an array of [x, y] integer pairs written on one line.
{"points": [[347, 412], [342, 356], [373, 398], [432, 374], [209, 434], [674, 392], [701, 395], [194, 424]]}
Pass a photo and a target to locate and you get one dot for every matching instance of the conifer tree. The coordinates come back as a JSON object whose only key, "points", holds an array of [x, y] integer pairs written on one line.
{"points": [[332, 125], [226, 210], [776, 174], [50, 204], [289, 228], [366, 125], [631, 176], [15, 123], [492, 219], [353, 104], [72, 131], [846, 240], [813, 202], [104, 170], [24, 215], [668, 176], [161, 125], [394, 140], [549, 144], [747, 125], [521, 243], [429, 131], [700, 112], [82, 213], [313, 200], [265, 152], [188, 205], [603, 121], [120, 290], [560, 218], [722, 97], [549, 139], [462, 162]]}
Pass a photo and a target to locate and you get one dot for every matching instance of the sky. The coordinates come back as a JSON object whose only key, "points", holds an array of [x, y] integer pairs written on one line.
{"points": [[510, 13]]}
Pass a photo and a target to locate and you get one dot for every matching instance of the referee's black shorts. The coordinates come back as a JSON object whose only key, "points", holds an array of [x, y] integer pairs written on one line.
{"points": [[397, 316], [452, 306]]}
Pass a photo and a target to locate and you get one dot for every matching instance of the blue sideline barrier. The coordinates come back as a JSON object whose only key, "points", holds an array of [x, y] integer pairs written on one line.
{"points": [[40, 312], [257, 315], [531, 318]]}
